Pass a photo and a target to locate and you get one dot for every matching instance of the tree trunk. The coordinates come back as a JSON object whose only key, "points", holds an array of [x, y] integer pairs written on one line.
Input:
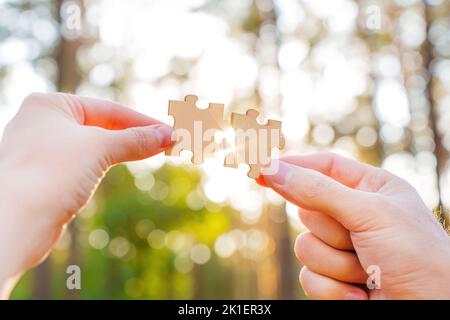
{"points": [[68, 81], [440, 152]]}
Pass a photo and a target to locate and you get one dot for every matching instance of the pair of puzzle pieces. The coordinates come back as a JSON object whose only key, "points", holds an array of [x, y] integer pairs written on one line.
{"points": [[195, 130]]}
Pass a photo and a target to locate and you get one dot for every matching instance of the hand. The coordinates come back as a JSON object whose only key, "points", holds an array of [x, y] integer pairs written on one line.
{"points": [[52, 157], [361, 216]]}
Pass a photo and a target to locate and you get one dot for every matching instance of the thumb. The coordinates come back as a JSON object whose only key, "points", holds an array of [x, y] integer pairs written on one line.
{"points": [[313, 190], [137, 143]]}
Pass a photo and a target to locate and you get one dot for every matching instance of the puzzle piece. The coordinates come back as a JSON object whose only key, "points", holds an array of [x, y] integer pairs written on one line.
{"points": [[195, 128], [253, 142]]}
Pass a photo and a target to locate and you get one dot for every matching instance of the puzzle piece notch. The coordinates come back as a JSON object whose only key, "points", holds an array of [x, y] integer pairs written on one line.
{"points": [[195, 128], [248, 147]]}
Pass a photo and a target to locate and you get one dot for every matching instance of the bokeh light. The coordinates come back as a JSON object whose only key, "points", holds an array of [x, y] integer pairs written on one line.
{"points": [[161, 227]]}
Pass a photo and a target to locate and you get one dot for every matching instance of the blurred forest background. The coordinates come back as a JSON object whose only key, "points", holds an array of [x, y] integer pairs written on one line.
{"points": [[367, 79]]}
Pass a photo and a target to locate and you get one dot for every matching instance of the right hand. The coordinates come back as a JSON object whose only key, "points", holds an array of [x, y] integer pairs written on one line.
{"points": [[360, 216]]}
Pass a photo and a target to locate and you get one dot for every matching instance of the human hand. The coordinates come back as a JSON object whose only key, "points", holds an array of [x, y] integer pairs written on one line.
{"points": [[52, 156], [361, 216]]}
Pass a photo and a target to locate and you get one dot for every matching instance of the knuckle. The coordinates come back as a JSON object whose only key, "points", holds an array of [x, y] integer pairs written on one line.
{"points": [[33, 98], [143, 141], [377, 178], [38, 100], [383, 172], [343, 241], [331, 155], [104, 148], [316, 187], [35, 95], [304, 215]]}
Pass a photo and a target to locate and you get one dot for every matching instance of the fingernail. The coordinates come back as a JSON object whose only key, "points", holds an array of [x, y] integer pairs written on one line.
{"points": [[280, 175], [355, 295], [164, 134]]}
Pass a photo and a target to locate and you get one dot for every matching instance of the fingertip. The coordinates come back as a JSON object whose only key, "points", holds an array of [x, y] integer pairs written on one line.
{"points": [[277, 173], [164, 135], [137, 143], [268, 172]]}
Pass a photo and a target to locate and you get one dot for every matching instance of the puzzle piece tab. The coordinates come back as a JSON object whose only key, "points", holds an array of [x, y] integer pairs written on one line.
{"points": [[195, 128], [253, 142]]}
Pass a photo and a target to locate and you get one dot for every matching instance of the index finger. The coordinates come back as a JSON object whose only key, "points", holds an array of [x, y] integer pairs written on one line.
{"points": [[110, 115], [312, 190], [348, 172]]}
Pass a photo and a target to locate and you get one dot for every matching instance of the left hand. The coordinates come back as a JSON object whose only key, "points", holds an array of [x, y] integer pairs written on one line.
{"points": [[52, 156]]}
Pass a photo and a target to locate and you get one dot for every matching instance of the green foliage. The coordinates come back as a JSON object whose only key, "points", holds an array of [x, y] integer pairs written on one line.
{"points": [[129, 267]]}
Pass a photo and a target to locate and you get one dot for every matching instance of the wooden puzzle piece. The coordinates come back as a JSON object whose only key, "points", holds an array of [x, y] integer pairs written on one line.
{"points": [[195, 128], [253, 142]]}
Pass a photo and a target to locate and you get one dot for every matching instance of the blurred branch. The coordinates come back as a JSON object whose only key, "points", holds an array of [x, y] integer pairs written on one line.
{"points": [[439, 149]]}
